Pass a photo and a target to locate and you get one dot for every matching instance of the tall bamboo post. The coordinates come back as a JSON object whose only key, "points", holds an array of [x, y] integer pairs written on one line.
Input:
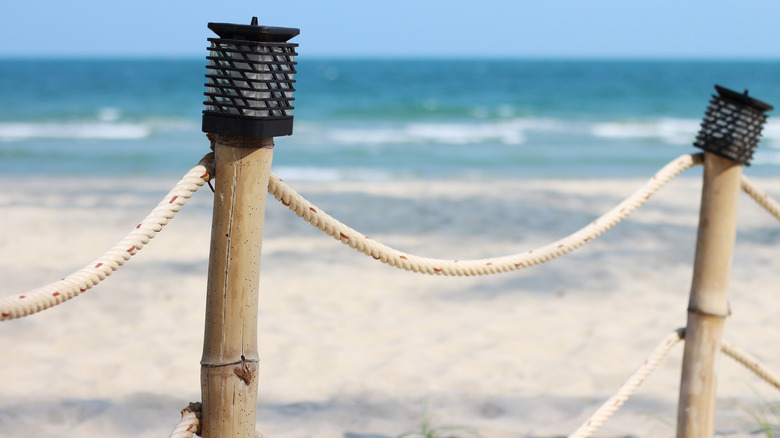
{"points": [[708, 305], [248, 103], [729, 134], [230, 357]]}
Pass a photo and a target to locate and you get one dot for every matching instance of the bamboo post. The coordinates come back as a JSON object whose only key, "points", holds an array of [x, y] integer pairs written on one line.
{"points": [[729, 135], [248, 100], [230, 358], [708, 304]]}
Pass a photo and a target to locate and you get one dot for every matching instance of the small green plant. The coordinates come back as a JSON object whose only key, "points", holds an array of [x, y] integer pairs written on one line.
{"points": [[427, 430], [767, 417]]}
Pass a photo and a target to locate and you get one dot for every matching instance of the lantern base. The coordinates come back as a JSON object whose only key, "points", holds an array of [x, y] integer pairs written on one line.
{"points": [[247, 126]]}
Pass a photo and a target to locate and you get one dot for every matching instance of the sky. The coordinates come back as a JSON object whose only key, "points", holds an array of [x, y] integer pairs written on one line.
{"points": [[699, 29]]}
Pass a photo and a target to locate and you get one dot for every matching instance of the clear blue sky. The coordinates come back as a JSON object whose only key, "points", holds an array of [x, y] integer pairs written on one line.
{"points": [[406, 28]]}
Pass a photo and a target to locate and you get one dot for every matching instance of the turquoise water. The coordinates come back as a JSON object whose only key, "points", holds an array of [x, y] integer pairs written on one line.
{"points": [[381, 119]]}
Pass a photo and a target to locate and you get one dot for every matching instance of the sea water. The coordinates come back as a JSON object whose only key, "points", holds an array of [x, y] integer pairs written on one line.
{"points": [[381, 119]]}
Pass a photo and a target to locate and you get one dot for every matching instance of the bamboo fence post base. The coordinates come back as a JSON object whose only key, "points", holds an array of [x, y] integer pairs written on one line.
{"points": [[230, 358], [708, 304]]}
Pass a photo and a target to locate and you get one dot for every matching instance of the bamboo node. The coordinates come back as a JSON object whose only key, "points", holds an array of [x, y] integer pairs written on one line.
{"points": [[710, 314]]}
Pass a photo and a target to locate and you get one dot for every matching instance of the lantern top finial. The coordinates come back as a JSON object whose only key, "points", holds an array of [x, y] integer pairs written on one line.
{"points": [[254, 32]]}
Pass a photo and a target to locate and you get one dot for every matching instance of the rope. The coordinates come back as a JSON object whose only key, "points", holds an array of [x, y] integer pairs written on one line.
{"points": [[632, 384], [760, 197], [751, 363], [629, 387], [393, 257], [73, 285], [82, 280], [189, 424]]}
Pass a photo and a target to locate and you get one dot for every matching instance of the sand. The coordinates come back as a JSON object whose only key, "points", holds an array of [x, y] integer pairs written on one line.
{"points": [[355, 349]]}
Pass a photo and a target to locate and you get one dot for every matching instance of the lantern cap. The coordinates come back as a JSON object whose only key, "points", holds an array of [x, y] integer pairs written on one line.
{"points": [[732, 125], [254, 32], [743, 99], [250, 80]]}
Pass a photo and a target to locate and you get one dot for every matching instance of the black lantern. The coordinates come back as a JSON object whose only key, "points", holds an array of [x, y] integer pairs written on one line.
{"points": [[250, 80], [732, 125]]}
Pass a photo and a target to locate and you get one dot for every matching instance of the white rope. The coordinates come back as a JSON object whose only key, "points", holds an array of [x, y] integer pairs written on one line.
{"points": [[393, 257], [760, 197], [189, 424], [45, 297], [629, 387], [632, 384], [751, 363]]}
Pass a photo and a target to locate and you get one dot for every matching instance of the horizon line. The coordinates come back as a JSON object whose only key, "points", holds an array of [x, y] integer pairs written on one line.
{"points": [[320, 57]]}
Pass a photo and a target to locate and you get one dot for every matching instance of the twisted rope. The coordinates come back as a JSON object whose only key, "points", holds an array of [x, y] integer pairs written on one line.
{"points": [[82, 280], [304, 209], [629, 387], [189, 424], [632, 384], [751, 363], [760, 197]]}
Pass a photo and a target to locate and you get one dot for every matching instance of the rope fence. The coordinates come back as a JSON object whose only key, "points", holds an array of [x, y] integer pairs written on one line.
{"points": [[589, 427], [45, 297], [189, 422], [75, 284], [82, 280], [55, 293], [393, 257]]}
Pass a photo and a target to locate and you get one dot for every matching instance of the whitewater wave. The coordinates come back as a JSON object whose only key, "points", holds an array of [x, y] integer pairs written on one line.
{"points": [[771, 133], [510, 132], [516, 132], [81, 130], [331, 174], [319, 174], [427, 133], [669, 131], [766, 156]]}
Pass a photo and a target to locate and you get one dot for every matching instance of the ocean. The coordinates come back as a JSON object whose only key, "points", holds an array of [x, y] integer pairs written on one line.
{"points": [[382, 119]]}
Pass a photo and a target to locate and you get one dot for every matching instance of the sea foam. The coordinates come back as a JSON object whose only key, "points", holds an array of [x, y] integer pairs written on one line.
{"points": [[82, 130], [670, 131], [510, 132]]}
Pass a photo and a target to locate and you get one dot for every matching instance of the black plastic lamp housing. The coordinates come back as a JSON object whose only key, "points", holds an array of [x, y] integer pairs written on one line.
{"points": [[732, 125], [250, 80]]}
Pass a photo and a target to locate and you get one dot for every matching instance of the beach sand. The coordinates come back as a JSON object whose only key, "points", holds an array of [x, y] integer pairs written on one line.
{"points": [[355, 349]]}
